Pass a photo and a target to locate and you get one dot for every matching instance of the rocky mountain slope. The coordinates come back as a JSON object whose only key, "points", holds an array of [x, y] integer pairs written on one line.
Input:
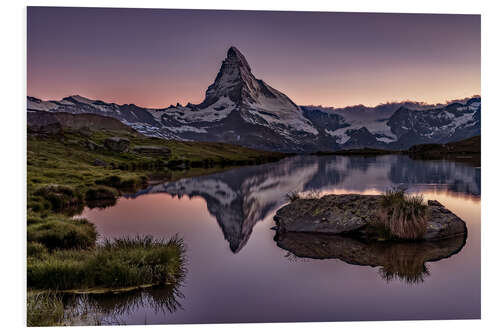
{"points": [[241, 109]]}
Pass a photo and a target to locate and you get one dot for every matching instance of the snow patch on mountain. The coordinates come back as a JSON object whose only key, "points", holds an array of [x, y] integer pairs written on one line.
{"points": [[377, 127], [39, 105], [185, 128], [274, 112], [215, 112], [82, 99]]}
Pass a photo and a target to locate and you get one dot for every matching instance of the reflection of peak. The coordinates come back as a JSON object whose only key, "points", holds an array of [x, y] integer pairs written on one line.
{"points": [[240, 198]]}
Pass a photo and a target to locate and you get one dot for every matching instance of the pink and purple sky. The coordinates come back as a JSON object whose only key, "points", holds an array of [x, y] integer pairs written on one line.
{"points": [[158, 57]]}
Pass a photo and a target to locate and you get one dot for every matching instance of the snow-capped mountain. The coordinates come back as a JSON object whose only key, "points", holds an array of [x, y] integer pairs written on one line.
{"points": [[241, 109], [398, 125]]}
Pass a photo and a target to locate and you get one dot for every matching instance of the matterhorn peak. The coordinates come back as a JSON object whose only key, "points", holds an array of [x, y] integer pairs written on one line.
{"points": [[234, 80], [255, 101], [235, 57]]}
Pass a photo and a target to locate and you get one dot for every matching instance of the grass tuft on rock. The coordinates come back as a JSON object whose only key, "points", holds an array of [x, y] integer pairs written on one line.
{"points": [[405, 216], [293, 196], [309, 195], [122, 263]]}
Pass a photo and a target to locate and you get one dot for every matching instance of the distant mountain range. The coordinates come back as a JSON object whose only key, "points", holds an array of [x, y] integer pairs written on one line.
{"points": [[241, 109]]}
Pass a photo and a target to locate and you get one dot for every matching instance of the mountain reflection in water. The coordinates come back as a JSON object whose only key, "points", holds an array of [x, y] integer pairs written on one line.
{"points": [[255, 280], [241, 197]]}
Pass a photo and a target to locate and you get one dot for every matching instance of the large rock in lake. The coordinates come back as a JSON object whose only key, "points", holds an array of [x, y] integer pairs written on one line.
{"points": [[356, 215]]}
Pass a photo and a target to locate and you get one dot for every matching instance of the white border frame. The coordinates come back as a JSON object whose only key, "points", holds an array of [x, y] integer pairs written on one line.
{"points": [[13, 106]]}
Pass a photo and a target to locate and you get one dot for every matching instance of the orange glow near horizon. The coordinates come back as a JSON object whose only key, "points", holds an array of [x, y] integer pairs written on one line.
{"points": [[307, 91], [316, 58]]}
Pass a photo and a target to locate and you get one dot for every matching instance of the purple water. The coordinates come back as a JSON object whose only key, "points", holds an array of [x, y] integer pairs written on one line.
{"points": [[236, 272]]}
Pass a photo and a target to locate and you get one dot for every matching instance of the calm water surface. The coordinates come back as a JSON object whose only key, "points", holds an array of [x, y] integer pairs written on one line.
{"points": [[237, 273]]}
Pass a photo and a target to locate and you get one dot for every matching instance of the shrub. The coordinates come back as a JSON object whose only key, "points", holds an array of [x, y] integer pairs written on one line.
{"points": [[403, 215], [100, 193], [60, 232], [309, 195], [60, 196], [113, 181], [121, 263], [315, 194], [130, 184], [101, 196]]}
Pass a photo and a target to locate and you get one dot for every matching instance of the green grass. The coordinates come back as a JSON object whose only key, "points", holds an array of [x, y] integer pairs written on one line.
{"points": [[61, 169], [64, 175], [405, 216], [59, 197], [115, 264], [61, 232]]}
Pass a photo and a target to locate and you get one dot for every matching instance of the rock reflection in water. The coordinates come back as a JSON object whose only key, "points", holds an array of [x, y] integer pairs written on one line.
{"points": [[405, 261]]}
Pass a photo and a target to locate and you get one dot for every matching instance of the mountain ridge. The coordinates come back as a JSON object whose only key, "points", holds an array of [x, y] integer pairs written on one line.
{"points": [[238, 108]]}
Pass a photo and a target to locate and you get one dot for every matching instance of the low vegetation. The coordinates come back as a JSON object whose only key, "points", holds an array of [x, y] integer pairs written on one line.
{"points": [[466, 151], [59, 232], [122, 263], [294, 195], [69, 171], [405, 216], [123, 267]]}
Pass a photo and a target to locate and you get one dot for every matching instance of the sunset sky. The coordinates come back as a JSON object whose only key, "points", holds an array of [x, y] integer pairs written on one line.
{"points": [[158, 57]]}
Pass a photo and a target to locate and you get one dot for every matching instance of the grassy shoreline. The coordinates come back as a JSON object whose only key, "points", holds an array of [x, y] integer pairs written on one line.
{"points": [[64, 173], [68, 171]]}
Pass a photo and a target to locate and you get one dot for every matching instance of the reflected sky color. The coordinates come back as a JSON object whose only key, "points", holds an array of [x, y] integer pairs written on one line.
{"points": [[261, 283], [158, 57]]}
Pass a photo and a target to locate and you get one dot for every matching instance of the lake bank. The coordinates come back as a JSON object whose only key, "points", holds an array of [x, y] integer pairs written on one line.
{"points": [[466, 151], [70, 170]]}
